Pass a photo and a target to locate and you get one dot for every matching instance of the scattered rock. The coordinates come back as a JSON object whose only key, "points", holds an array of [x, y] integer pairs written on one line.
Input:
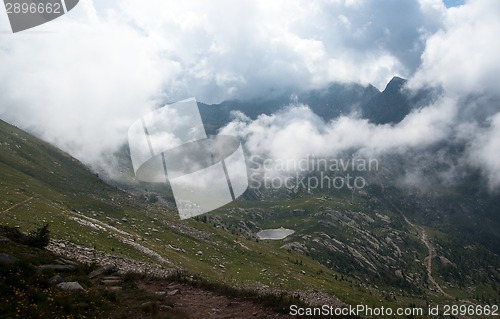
{"points": [[56, 280], [111, 282], [166, 307], [199, 253], [147, 304], [445, 261], [298, 212], [302, 272], [123, 265], [70, 285], [295, 246], [174, 292], [7, 259], [112, 278], [57, 267], [101, 271], [67, 261], [4, 240]]}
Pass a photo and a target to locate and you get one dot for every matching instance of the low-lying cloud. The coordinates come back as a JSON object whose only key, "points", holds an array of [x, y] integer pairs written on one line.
{"points": [[105, 64], [296, 131]]}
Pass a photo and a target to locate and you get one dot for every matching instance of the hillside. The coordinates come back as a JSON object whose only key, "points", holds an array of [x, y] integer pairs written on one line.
{"points": [[37, 283], [379, 247], [380, 107], [41, 184]]}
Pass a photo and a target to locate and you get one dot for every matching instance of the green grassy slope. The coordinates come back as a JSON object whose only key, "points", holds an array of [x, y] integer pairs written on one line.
{"points": [[40, 184]]}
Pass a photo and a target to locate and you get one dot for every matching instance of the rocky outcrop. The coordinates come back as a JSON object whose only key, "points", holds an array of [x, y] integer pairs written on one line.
{"points": [[102, 270], [89, 255], [70, 285], [57, 267], [56, 279]]}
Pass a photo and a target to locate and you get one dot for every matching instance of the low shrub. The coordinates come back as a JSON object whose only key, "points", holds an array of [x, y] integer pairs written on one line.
{"points": [[40, 237]]}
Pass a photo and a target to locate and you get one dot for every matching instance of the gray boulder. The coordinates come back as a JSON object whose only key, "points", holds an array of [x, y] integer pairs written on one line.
{"points": [[56, 280], [57, 267], [103, 270], [7, 259], [70, 285]]}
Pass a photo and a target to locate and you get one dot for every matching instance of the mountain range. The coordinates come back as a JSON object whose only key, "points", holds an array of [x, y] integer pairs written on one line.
{"points": [[386, 245], [389, 106]]}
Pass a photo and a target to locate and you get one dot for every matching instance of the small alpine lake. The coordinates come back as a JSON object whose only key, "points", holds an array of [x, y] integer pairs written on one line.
{"points": [[275, 234]]}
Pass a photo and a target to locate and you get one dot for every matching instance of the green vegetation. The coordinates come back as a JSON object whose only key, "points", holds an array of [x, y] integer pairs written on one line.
{"points": [[39, 237], [43, 185], [358, 248], [26, 288], [28, 292]]}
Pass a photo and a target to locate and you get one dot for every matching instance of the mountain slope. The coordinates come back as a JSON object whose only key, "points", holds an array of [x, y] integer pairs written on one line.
{"points": [[379, 247], [433, 239], [388, 106], [41, 184], [328, 103]]}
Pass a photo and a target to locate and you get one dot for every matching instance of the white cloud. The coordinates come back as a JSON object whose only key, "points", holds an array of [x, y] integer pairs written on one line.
{"points": [[283, 43], [103, 66], [82, 86], [297, 132], [106, 64], [464, 56], [485, 150]]}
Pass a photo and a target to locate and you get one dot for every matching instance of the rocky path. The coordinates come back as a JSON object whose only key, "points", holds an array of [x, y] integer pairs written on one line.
{"points": [[431, 251], [431, 254], [191, 301], [16, 205], [200, 303]]}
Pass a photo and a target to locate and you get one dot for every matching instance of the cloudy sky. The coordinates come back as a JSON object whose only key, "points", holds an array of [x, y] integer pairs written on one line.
{"points": [[80, 81]]}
